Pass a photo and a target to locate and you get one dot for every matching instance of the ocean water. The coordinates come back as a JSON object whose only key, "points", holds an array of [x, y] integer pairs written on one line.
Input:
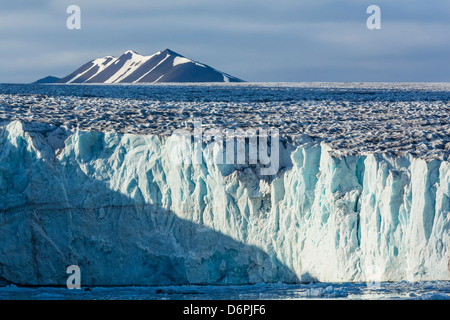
{"points": [[243, 92], [435, 290]]}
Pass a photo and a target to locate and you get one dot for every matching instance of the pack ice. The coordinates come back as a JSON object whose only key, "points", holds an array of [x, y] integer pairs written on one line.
{"points": [[120, 208]]}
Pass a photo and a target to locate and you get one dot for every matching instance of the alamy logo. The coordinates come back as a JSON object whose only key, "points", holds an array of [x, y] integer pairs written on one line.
{"points": [[74, 280], [236, 146], [74, 20], [374, 21]]}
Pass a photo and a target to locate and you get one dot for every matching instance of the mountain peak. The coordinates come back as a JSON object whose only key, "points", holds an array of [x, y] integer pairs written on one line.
{"points": [[130, 52], [171, 52]]}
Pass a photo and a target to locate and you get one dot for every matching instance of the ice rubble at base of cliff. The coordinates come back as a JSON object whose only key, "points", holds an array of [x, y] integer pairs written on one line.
{"points": [[118, 206]]}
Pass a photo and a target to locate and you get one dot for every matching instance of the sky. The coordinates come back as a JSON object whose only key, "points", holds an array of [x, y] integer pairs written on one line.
{"points": [[255, 40]]}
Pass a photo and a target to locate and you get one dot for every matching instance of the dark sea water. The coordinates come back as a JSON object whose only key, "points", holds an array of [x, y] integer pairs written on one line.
{"points": [[436, 290], [245, 92]]}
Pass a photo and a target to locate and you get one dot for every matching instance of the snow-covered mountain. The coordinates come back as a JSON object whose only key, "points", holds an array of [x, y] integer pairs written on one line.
{"points": [[131, 67]]}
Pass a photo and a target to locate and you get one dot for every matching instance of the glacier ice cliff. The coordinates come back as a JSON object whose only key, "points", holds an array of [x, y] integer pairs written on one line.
{"points": [[121, 208]]}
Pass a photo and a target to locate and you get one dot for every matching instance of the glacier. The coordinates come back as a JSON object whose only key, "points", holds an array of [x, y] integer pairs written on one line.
{"points": [[122, 209]]}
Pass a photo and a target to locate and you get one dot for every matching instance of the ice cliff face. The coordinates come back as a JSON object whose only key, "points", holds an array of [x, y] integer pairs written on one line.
{"points": [[125, 210]]}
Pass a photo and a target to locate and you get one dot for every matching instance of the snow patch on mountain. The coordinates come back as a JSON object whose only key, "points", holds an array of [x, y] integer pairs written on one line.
{"points": [[151, 70], [180, 60], [129, 66]]}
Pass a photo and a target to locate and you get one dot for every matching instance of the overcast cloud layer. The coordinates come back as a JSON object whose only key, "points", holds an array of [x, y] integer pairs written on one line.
{"points": [[255, 40]]}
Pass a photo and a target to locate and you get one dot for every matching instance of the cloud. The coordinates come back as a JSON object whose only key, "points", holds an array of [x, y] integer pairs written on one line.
{"points": [[257, 40]]}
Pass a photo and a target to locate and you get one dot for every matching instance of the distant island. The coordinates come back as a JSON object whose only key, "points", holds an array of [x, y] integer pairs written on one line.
{"points": [[131, 67]]}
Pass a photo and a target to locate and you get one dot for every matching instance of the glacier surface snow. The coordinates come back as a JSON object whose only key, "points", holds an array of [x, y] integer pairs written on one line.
{"points": [[118, 206]]}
